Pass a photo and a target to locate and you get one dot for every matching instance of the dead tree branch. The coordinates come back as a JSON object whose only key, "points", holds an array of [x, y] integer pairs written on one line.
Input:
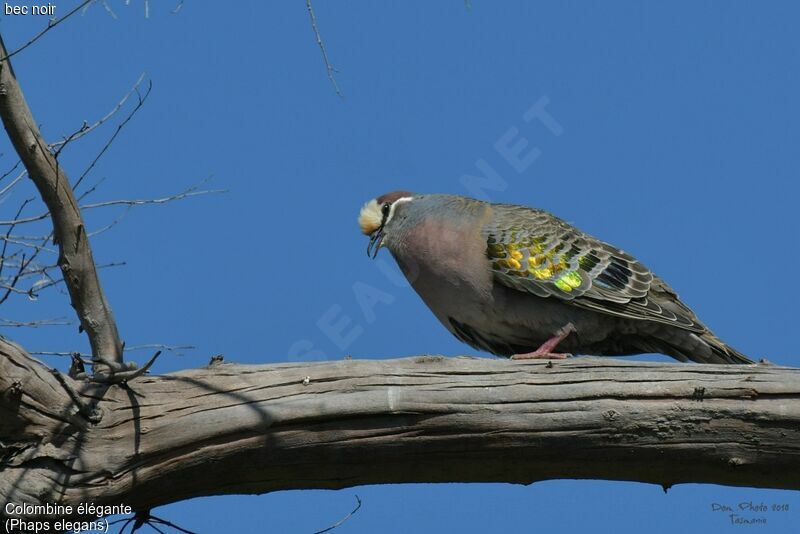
{"points": [[328, 67], [69, 230], [251, 429]]}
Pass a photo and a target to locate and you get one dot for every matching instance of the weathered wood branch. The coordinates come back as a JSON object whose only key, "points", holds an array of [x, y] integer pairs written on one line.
{"points": [[252, 429], [69, 231]]}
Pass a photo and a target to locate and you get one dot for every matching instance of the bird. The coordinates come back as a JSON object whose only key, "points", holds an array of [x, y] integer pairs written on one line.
{"points": [[519, 282]]}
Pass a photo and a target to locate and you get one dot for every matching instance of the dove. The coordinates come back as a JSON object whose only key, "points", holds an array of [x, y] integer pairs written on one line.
{"points": [[519, 282]]}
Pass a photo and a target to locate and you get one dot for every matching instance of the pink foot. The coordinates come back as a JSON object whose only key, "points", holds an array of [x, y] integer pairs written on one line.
{"points": [[545, 352]]}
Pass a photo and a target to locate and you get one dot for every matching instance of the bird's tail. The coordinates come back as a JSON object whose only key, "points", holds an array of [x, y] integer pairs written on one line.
{"points": [[702, 347], [720, 352]]}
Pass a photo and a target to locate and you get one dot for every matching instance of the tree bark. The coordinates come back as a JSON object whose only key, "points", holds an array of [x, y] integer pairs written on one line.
{"points": [[252, 429], [69, 232]]}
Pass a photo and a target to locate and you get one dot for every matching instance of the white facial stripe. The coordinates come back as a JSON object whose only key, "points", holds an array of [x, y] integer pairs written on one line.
{"points": [[394, 206]]}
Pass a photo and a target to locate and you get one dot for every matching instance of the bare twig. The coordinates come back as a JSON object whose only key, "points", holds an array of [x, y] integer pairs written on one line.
{"points": [[51, 24], [112, 224], [11, 287], [10, 229], [120, 126], [12, 183], [86, 358], [60, 321], [139, 519], [25, 242], [91, 189], [148, 346], [87, 128], [191, 192], [126, 374], [12, 169], [59, 353], [328, 67], [44, 284], [25, 220], [342, 520], [109, 10], [160, 347]]}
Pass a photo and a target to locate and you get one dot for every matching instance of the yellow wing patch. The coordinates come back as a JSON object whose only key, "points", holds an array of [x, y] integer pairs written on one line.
{"points": [[529, 257]]}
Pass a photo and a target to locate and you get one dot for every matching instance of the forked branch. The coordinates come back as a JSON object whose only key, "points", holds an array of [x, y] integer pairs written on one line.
{"points": [[69, 231]]}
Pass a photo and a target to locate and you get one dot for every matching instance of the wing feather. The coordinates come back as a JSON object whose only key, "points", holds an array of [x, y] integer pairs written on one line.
{"points": [[535, 252]]}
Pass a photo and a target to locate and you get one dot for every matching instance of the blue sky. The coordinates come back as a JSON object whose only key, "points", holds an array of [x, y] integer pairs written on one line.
{"points": [[678, 142]]}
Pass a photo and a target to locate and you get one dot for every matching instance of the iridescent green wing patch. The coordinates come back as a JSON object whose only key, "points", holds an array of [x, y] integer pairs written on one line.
{"points": [[532, 251], [539, 264]]}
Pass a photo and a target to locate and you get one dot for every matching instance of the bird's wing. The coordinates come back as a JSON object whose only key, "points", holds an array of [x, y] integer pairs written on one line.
{"points": [[535, 252]]}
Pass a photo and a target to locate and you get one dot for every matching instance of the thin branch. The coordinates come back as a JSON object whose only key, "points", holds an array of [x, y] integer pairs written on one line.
{"points": [[13, 183], [25, 220], [146, 518], [60, 321], [11, 287], [342, 520], [109, 10], [10, 229], [91, 189], [118, 376], [149, 346], [58, 353], [112, 224], [142, 202], [20, 242], [87, 128], [120, 126], [50, 25], [45, 284], [12, 169], [328, 67], [160, 346], [192, 191]]}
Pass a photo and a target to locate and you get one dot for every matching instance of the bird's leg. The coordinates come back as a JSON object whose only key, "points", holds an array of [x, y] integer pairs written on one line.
{"points": [[545, 352]]}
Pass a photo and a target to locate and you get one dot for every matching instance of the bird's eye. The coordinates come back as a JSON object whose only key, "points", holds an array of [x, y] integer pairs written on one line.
{"points": [[385, 209]]}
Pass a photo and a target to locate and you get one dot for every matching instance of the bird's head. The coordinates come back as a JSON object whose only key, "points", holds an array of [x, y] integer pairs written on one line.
{"points": [[376, 217]]}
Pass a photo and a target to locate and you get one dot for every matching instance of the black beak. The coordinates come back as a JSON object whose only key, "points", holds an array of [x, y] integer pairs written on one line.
{"points": [[375, 240]]}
